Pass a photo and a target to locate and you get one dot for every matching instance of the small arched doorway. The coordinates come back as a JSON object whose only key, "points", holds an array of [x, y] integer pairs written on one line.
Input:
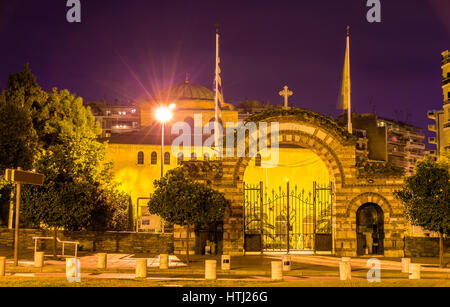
{"points": [[370, 230]]}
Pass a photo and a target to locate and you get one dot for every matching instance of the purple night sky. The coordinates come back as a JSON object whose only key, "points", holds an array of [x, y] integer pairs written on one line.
{"points": [[130, 49]]}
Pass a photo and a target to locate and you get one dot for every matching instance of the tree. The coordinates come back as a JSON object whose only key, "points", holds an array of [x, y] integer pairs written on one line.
{"points": [[56, 135], [179, 200], [18, 139], [426, 197], [19, 108], [79, 186]]}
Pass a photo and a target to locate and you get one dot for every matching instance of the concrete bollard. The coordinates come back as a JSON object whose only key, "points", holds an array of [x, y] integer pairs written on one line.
{"points": [[163, 262], [405, 265], [287, 263], [2, 266], [226, 262], [73, 270], [210, 269], [102, 263], [414, 271], [141, 268], [345, 270], [277, 271], [39, 260]]}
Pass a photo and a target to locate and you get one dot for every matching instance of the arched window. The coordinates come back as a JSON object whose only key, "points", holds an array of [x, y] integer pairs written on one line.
{"points": [[180, 158], [140, 158], [154, 158], [193, 156], [167, 158], [258, 160], [206, 157]]}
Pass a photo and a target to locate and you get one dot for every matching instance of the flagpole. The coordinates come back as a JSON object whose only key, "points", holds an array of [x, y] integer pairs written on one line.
{"points": [[349, 102], [216, 123]]}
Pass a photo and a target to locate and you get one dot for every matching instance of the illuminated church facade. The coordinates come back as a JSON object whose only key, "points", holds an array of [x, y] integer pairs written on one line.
{"points": [[313, 200]]}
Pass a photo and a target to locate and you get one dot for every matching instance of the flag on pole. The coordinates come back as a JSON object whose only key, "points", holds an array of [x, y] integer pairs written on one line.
{"points": [[219, 101], [346, 88]]}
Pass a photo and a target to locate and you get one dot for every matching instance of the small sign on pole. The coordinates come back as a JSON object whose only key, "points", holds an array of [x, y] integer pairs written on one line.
{"points": [[20, 177]]}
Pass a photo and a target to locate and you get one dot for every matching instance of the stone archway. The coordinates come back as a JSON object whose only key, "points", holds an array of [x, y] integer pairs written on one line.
{"points": [[302, 128]]}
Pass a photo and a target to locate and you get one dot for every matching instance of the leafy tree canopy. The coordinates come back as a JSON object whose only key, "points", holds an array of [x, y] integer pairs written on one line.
{"points": [[426, 196], [56, 135], [181, 201]]}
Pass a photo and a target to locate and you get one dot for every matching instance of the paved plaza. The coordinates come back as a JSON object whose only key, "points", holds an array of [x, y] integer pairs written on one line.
{"points": [[247, 268]]}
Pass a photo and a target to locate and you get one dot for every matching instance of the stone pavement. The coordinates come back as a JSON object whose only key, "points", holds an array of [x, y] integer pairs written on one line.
{"points": [[115, 261], [361, 263], [254, 268]]}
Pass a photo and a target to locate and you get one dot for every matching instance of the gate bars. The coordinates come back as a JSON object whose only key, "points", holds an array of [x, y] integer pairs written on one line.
{"points": [[286, 220]]}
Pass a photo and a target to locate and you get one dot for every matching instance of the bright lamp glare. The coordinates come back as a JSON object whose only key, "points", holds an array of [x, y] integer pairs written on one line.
{"points": [[172, 106], [164, 114]]}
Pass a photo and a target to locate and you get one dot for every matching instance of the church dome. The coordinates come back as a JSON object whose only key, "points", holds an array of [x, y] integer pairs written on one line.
{"points": [[186, 91]]}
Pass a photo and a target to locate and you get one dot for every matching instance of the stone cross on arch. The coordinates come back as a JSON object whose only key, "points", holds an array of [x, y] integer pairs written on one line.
{"points": [[286, 93]]}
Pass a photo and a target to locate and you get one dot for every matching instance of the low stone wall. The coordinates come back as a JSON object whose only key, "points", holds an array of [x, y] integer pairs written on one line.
{"points": [[110, 242], [424, 247], [180, 240]]}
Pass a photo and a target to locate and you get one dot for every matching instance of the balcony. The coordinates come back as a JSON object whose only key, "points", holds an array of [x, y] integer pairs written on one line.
{"points": [[431, 115], [446, 101], [432, 140], [415, 145], [432, 128], [445, 81], [447, 126], [445, 60]]}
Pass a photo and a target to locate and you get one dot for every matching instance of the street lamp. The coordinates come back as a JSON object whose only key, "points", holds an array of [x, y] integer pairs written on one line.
{"points": [[164, 114]]}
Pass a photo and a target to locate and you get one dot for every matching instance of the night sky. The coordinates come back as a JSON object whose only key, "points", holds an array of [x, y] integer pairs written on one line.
{"points": [[128, 50]]}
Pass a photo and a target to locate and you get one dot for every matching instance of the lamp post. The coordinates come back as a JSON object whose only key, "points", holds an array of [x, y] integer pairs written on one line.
{"points": [[164, 114]]}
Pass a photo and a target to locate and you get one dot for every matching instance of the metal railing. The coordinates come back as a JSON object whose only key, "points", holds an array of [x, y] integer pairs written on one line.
{"points": [[75, 243]]}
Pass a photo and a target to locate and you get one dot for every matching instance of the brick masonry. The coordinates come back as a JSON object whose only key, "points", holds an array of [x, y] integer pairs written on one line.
{"points": [[109, 242], [338, 152], [424, 247]]}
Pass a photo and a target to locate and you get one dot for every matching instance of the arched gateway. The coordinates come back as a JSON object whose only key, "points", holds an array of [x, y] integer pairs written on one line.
{"points": [[336, 148]]}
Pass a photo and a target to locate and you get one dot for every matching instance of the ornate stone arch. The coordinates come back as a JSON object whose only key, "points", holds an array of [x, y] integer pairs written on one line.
{"points": [[308, 130], [369, 197]]}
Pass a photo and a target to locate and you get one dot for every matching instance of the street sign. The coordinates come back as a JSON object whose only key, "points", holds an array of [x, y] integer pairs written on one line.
{"points": [[23, 177], [20, 177]]}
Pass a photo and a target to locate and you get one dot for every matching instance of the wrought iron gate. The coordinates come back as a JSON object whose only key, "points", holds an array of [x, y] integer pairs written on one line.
{"points": [[287, 219]]}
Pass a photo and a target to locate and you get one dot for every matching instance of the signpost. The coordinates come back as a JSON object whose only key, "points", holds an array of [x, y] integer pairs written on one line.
{"points": [[20, 177]]}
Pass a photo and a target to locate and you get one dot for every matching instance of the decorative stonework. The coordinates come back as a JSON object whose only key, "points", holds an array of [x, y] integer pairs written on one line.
{"points": [[336, 148]]}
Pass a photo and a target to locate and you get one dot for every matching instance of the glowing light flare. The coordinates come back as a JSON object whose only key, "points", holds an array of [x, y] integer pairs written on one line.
{"points": [[164, 114]]}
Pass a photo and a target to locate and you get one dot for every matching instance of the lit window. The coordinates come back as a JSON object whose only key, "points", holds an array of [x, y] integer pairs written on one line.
{"points": [[167, 158], [154, 158], [140, 158]]}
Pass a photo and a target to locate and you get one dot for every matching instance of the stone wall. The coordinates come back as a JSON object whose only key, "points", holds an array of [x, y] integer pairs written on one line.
{"points": [[424, 247], [338, 152], [180, 240], [110, 242]]}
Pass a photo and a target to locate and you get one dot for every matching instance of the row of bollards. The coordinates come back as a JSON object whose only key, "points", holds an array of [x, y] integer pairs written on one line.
{"points": [[278, 267], [414, 270]]}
